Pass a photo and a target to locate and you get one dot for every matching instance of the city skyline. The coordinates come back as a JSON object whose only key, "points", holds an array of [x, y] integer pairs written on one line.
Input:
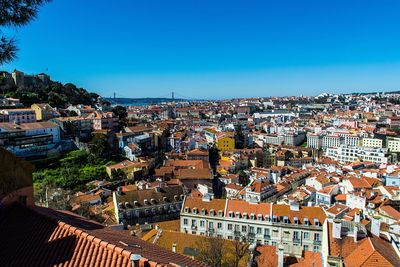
{"points": [[205, 50]]}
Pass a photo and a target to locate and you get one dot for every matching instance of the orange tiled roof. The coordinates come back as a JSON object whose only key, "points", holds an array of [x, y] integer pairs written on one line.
{"points": [[266, 256], [390, 211], [65, 239], [359, 182], [214, 204], [185, 174], [337, 208], [369, 251], [310, 213], [341, 197], [235, 205]]}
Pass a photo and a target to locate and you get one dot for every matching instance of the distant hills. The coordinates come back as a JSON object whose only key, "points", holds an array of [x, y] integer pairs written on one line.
{"points": [[140, 101]]}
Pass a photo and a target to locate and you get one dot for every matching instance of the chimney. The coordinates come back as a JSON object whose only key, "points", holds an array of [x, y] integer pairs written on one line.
{"points": [[280, 251], [135, 260], [357, 217], [294, 205], [337, 229], [355, 226], [376, 225], [174, 247]]}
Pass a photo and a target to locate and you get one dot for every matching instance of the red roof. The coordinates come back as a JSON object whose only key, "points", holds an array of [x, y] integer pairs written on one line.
{"points": [[266, 256], [45, 237]]}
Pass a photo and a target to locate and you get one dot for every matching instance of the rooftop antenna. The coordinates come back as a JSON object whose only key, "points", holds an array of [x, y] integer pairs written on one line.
{"points": [[173, 96]]}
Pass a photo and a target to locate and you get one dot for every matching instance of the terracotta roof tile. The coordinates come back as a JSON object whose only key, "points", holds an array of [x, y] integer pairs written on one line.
{"points": [[64, 239]]}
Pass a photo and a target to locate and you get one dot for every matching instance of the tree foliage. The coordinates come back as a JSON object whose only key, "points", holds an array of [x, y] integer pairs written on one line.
{"points": [[73, 171], [56, 94], [211, 251], [15, 13], [122, 114], [99, 146], [239, 137]]}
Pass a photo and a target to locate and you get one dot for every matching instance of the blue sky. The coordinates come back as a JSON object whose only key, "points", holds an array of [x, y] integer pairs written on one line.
{"points": [[215, 49]]}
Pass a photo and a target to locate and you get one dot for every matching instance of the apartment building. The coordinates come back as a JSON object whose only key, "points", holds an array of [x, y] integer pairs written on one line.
{"points": [[295, 227], [314, 140], [160, 203], [20, 115], [371, 142], [103, 121], [44, 112], [325, 141], [30, 139], [258, 190], [346, 153], [332, 140], [291, 139], [74, 127], [393, 144]]}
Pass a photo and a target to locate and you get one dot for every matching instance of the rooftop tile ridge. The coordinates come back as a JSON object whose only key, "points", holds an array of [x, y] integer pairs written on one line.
{"points": [[104, 244]]}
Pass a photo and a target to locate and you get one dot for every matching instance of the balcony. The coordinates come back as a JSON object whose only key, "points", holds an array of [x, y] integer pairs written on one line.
{"points": [[194, 227], [317, 242], [252, 235], [267, 237], [297, 240]]}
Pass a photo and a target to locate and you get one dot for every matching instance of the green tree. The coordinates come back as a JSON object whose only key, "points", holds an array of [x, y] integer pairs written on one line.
{"points": [[56, 100], [239, 137], [99, 146], [213, 155], [13, 14], [122, 115]]}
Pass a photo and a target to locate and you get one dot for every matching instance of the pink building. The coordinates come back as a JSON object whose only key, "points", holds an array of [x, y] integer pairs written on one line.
{"points": [[348, 123], [19, 115], [104, 121]]}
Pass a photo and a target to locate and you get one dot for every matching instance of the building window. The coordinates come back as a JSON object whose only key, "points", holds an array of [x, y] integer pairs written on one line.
{"points": [[185, 221], [316, 237], [251, 230], [296, 235], [259, 230], [211, 225], [244, 228], [202, 223], [230, 227], [306, 247], [286, 234], [306, 235], [219, 225], [316, 248]]}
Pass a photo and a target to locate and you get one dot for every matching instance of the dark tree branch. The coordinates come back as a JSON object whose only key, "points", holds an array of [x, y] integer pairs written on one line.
{"points": [[8, 49], [19, 12]]}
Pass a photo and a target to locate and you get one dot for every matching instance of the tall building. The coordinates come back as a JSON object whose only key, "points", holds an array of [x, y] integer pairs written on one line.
{"points": [[295, 227]]}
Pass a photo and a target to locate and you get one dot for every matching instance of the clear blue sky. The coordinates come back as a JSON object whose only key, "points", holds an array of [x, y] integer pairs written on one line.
{"points": [[215, 48]]}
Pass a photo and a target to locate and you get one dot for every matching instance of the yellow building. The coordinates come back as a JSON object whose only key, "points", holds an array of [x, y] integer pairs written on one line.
{"points": [[44, 112], [225, 141]]}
